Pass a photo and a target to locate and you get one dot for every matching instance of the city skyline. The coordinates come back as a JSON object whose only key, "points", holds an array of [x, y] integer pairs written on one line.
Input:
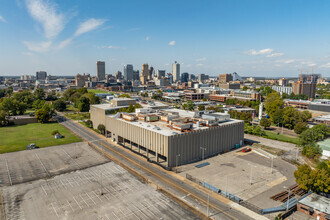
{"points": [[254, 38]]}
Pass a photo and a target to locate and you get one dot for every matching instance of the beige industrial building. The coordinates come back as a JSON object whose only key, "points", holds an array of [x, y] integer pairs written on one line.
{"points": [[170, 137]]}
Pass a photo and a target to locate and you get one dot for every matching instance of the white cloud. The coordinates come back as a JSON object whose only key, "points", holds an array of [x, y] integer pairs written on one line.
{"points": [[147, 38], [2, 19], [201, 59], [45, 13], [327, 65], [254, 52], [38, 47], [171, 43], [64, 43], [89, 25], [275, 54], [199, 64], [289, 61], [113, 47]]}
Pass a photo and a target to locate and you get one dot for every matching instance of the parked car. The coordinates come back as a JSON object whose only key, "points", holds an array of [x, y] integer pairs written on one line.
{"points": [[247, 149], [31, 146]]}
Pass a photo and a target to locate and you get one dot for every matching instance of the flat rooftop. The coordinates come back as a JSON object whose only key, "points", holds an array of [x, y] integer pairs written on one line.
{"points": [[163, 127], [317, 202]]}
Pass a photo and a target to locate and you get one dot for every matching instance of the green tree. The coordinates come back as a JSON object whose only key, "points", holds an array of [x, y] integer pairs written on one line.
{"points": [[89, 123], [204, 99], [2, 93], [39, 94], [245, 88], [312, 151], [273, 103], [59, 105], [45, 114], [130, 108], [9, 91], [189, 105], [3, 119], [201, 108], [83, 104], [278, 116], [93, 99], [101, 128], [12, 107], [265, 122], [291, 116], [124, 95], [304, 177], [51, 96], [305, 115], [300, 127], [38, 104]]}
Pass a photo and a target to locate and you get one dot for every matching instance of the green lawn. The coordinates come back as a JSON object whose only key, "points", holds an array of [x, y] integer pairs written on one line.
{"points": [[281, 137], [15, 138], [71, 108], [78, 116], [98, 91]]}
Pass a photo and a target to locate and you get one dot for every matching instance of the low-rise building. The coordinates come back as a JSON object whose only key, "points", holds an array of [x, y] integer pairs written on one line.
{"points": [[316, 206], [171, 137]]}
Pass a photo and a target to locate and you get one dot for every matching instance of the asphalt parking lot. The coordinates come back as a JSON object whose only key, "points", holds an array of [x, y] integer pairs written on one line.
{"points": [[29, 165], [101, 192], [232, 172]]}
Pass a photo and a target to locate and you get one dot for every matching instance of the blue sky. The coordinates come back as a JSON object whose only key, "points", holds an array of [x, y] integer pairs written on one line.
{"points": [[250, 37]]}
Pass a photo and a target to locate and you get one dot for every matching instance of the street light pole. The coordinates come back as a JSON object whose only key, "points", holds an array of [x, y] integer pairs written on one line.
{"points": [[251, 176], [208, 201]]}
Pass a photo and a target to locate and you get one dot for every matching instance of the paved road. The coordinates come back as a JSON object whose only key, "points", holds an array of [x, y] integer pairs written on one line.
{"points": [[220, 209]]}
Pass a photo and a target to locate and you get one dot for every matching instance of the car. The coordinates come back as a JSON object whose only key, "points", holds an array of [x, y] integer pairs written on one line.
{"points": [[247, 149], [31, 146]]}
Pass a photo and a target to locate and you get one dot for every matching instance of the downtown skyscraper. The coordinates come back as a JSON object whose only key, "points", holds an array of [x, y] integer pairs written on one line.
{"points": [[176, 71]]}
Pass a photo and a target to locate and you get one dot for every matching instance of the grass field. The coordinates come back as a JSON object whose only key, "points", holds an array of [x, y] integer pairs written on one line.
{"points": [[15, 138], [98, 91], [281, 137]]}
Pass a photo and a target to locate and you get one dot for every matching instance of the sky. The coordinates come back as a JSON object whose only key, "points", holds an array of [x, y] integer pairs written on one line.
{"points": [[273, 38]]}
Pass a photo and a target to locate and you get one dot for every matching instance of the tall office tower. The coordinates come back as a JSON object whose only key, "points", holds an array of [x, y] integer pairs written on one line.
{"points": [[81, 79], [176, 71], [128, 72], [136, 75], [151, 73], [41, 75], [161, 74], [144, 73], [118, 75], [100, 70], [184, 77], [202, 77], [192, 77], [227, 77]]}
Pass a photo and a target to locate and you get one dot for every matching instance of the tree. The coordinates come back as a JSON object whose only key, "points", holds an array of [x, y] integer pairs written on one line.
{"points": [[59, 105], [245, 88], [38, 104], [189, 105], [2, 93], [316, 133], [204, 99], [45, 113], [83, 104], [317, 180], [12, 107], [93, 99], [278, 116], [305, 115], [101, 128], [130, 108], [51, 96], [124, 95], [300, 127], [265, 122], [201, 108], [312, 150], [39, 93], [273, 103], [3, 119], [89, 123], [291, 116]]}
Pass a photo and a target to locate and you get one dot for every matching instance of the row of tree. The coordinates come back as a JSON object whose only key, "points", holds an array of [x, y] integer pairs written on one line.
{"points": [[81, 98], [287, 116]]}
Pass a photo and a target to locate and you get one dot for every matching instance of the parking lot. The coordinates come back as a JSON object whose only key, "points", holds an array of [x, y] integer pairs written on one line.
{"points": [[246, 175], [29, 165], [101, 192]]}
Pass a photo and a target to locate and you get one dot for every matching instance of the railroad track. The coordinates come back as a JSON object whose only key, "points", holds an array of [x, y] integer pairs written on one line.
{"points": [[160, 175]]}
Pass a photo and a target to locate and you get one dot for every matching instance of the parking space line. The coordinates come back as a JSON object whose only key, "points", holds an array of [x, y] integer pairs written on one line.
{"points": [[97, 195], [107, 217], [90, 198], [84, 200], [8, 173], [115, 215], [70, 205], [72, 158], [44, 189], [55, 210], [42, 164], [77, 202]]}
